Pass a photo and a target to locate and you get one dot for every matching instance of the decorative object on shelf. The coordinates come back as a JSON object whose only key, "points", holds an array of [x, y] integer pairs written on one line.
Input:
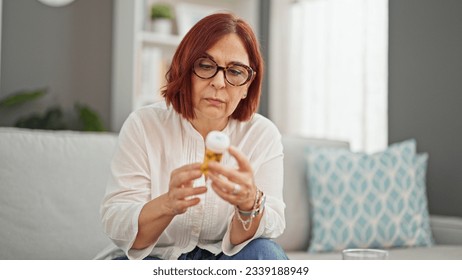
{"points": [[162, 18], [83, 119], [188, 14], [56, 3]]}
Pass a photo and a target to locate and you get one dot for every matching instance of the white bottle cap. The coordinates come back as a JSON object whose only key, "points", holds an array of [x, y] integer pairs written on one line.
{"points": [[217, 141]]}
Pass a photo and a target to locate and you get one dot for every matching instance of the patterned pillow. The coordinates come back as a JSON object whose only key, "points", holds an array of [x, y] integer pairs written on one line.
{"points": [[368, 201]]}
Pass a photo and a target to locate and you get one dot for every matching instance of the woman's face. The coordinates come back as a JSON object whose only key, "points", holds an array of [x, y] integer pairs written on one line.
{"points": [[214, 99]]}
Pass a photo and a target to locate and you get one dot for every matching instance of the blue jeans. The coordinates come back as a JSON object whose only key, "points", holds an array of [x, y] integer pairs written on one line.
{"points": [[257, 249]]}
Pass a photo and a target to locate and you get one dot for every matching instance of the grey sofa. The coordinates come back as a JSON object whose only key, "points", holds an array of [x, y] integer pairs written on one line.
{"points": [[52, 183]]}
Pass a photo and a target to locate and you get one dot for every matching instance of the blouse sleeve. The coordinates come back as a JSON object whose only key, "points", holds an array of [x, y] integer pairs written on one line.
{"points": [[267, 162], [128, 189]]}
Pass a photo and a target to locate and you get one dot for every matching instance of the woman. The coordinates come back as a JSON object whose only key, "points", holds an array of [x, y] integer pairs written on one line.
{"points": [[157, 203]]}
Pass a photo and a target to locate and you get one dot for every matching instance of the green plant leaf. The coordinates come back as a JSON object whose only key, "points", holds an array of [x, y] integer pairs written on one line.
{"points": [[52, 119], [89, 119], [161, 10], [16, 99], [33, 121]]}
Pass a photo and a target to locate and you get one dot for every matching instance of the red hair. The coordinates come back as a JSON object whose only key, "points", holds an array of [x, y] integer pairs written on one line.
{"points": [[202, 36]]}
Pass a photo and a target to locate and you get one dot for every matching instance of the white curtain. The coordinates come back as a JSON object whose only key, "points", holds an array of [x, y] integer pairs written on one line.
{"points": [[330, 75]]}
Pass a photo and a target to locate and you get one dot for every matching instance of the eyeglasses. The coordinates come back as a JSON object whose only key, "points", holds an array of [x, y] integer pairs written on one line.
{"points": [[236, 74]]}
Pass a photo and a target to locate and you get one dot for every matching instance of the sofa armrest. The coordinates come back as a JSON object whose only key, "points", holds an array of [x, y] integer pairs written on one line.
{"points": [[447, 230]]}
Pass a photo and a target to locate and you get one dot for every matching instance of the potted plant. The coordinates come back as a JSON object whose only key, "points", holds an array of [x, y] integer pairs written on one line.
{"points": [[54, 118], [161, 18]]}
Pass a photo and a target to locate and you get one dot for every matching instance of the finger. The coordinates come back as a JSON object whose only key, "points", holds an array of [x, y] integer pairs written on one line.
{"points": [[230, 173], [229, 178], [219, 181], [241, 159], [185, 193], [221, 192], [182, 206], [230, 197], [225, 189], [185, 175], [188, 167]]}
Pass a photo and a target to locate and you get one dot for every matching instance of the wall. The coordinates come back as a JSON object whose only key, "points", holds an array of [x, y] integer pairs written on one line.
{"points": [[67, 50], [425, 91]]}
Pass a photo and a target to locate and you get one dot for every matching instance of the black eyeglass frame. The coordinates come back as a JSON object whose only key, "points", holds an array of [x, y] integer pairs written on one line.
{"points": [[221, 68]]}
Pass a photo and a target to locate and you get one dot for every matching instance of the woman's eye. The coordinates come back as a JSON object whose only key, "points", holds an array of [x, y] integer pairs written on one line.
{"points": [[234, 71], [206, 66]]}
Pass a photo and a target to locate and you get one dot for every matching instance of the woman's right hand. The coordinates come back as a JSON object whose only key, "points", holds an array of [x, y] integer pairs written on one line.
{"points": [[181, 192], [180, 196]]}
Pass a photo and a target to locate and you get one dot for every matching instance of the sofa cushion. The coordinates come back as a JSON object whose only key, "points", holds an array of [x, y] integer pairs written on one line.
{"points": [[375, 201], [52, 184], [297, 232]]}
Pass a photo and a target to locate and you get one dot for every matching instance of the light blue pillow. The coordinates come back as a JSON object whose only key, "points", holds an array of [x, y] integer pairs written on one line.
{"points": [[368, 201]]}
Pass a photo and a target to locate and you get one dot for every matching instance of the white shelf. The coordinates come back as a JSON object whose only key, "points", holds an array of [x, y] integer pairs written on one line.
{"points": [[157, 39]]}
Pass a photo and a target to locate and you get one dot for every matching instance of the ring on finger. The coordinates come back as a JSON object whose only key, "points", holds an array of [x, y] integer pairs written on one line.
{"points": [[236, 189]]}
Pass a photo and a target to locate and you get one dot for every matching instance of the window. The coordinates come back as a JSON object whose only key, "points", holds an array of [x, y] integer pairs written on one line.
{"points": [[328, 70]]}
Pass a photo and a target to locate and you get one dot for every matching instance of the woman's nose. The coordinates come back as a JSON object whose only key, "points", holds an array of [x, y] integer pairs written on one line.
{"points": [[219, 80]]}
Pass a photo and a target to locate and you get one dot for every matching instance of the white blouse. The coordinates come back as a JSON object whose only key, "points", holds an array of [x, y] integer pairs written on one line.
{"points": [[154, 141]]}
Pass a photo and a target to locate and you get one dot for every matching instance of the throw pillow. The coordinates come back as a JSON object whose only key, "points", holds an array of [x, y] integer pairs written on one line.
{"points": [[368, 201]]}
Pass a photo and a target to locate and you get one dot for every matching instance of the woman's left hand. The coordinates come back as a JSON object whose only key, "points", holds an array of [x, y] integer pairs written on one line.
{"points": [[236, 186]]}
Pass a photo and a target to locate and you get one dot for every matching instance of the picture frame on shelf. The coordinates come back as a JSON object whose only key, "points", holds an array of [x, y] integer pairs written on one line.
{"points": [[188, 14]]}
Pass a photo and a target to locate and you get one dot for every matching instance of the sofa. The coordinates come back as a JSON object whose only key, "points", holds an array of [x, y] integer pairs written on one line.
{"points": [[52, 183], [446, 230]]}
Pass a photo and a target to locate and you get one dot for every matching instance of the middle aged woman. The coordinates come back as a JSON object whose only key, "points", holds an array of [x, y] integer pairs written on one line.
{"points": [[157, 204]]}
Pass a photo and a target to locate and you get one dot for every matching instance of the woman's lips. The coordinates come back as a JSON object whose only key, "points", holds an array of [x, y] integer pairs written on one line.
{"points": [[214, 102]]}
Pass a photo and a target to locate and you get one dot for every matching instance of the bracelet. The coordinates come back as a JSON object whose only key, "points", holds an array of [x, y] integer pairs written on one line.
{"points": [[246, 224], [257, 211]]}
